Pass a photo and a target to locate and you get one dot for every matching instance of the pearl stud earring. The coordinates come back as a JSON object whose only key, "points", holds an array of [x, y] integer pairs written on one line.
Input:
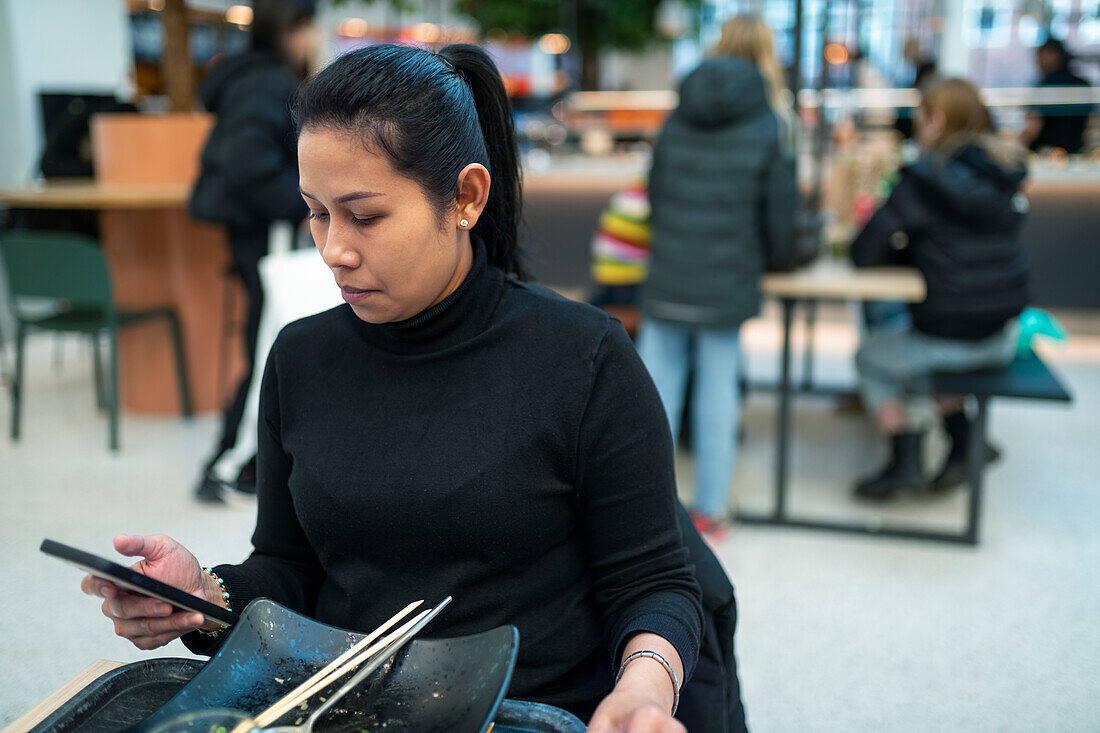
{"points": [[464, 223]]}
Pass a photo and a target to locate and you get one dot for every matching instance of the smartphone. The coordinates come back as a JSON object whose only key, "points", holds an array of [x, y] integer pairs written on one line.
{"points": [[135, 582]]}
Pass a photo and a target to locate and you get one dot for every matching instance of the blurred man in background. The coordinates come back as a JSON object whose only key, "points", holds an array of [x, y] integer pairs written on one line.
{"points": [[1057, 125]]}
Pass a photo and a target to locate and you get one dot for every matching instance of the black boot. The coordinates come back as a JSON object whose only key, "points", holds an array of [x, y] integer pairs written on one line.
{"points": [[903, 472], [210, 490], [246, 479], [954, 470]]}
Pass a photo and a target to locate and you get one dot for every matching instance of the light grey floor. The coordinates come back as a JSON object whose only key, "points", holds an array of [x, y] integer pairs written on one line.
{"points": [[837, 633]]}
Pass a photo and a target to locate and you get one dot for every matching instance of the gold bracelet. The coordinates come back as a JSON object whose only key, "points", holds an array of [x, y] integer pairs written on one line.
{"points": [[664, 663]]}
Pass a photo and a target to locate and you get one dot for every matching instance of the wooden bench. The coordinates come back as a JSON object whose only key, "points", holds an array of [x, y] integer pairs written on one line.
{"points": [[1027, 378]]}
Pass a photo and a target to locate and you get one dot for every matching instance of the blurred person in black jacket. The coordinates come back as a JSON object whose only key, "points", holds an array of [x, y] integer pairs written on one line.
{"points": [[1057, 125], [249, 177], [723, 195], [956, 216]]}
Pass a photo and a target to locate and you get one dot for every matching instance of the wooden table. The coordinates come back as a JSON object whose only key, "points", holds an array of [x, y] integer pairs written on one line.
{"points": [[101, 197], [828, 279], [159, 256], [58, 697], [837, 281]]}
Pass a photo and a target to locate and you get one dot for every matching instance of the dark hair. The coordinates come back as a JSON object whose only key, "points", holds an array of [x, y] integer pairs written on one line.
{"points": [[433, 114], [273, 20], [1055, 45], [925, 70]]}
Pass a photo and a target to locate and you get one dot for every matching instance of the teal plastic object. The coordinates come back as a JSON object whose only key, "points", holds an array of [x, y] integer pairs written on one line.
{"points": [[1037, 322]]}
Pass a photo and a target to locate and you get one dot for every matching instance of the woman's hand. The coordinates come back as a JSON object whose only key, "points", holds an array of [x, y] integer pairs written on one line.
{"points": [[630, 711], [644, 694], [147, 622]]}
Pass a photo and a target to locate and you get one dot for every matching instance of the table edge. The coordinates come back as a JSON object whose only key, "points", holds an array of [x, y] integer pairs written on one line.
{"points": [[47, 705]]}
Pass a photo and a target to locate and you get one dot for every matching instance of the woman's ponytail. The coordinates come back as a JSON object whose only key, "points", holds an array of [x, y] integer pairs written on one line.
{"points": [[499, 222]]}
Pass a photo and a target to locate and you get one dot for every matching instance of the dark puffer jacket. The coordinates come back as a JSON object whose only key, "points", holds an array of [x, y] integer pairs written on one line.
{"points": [[957, 219], [249, 172], [721, 190]]}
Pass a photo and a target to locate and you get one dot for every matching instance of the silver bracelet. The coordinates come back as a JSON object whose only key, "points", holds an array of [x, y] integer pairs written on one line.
{"points": [[664, 663], [225, 597]]}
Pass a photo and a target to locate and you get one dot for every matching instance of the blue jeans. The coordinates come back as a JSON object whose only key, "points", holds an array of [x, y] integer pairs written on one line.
{"points": [[892, 363], [666, 349], [885, 315]]}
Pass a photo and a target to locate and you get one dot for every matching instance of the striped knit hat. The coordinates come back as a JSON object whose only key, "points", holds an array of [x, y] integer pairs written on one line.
{"points": [[620, 247]]}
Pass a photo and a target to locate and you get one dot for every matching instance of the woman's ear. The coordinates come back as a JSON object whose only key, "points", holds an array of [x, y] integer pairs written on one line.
{"points": [[473, 194]]}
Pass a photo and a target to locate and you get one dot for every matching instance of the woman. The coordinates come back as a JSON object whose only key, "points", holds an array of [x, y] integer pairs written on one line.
{"points": [[956, 215], [451, 429], [249, 177], [722, 191]]}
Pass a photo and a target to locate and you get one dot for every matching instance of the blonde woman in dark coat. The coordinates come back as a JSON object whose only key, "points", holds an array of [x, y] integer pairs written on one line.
{"points": [[722, 191]]}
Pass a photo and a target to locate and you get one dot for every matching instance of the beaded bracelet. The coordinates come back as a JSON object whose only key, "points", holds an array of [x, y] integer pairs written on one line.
{"points": [[664, 663], [225, 597]]}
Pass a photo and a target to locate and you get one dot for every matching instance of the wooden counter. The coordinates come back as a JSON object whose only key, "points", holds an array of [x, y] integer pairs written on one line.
{"points": [[101, 197], [158, 256]]}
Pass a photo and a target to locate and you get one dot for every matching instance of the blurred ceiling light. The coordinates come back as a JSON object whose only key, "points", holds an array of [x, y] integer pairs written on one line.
{"points": [[352, 28], [1088, 32], [239, 15], [1029, 31], [836, 54], [556, 134], [673, 19], [554, 44], [157, 5], [427, 33]]}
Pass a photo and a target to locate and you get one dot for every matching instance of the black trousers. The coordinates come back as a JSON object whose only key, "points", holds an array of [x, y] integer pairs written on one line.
{"points": [[247, 246]]}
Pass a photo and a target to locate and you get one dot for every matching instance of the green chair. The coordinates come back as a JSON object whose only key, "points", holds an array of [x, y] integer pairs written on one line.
{"points": [[72, 269]]}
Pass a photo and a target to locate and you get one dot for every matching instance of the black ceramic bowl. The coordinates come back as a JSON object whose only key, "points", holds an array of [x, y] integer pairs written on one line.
{"points": [[453, 685]]}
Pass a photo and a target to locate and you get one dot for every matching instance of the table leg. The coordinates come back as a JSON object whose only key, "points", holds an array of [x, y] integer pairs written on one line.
{"points": [[782, 453], [808, 348], [975, 460]]}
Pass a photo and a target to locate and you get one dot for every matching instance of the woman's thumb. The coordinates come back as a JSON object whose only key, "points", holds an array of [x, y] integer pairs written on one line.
{"points": [[134, 545]]}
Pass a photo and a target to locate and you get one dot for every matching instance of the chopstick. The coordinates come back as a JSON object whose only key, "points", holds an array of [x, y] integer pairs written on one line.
{"points": [[288, 703], [378, 660], [334, 664]]}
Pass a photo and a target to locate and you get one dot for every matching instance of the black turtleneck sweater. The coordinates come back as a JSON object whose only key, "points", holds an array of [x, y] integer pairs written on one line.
{"points": [[506, 447]]}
